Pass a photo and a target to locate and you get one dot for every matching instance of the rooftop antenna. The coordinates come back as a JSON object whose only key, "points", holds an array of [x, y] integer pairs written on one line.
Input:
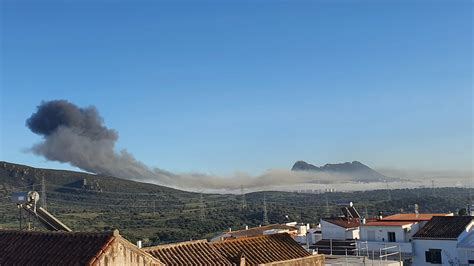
{"points": [[265, 213], [389, 196], [43, 194], [244, 202], [202, 208]]}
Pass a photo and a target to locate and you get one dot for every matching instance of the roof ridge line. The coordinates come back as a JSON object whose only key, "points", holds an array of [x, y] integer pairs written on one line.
{"points": [[170, 245]]}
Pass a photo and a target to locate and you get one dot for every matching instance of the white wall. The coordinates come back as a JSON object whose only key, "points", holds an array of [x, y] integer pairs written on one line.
{"points": [[332, 231], [448, 249], [381, 233]]}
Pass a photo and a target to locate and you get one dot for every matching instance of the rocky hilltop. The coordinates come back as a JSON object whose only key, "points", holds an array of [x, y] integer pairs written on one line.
{"points": [[357, 171]]}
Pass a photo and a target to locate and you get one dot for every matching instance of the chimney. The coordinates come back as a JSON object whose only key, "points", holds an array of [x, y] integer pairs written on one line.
{"points": [[363, 220], [246, 227], [230, 229], [139, 244]]}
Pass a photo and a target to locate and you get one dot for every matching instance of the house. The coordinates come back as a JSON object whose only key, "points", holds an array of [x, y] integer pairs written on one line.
{"points": [[275, 249], [445, 241], [70, 248], [342, 227], [397, 230]]}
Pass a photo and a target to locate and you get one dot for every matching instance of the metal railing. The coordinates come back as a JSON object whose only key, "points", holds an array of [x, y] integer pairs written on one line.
{"points": [[361, 250]]}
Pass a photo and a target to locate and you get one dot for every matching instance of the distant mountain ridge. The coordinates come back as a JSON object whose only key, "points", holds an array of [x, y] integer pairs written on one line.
{"points": [[357, 171]]}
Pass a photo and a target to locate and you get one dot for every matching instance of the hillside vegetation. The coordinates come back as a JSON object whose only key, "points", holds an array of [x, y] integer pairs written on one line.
{"points": [[159, 214]]}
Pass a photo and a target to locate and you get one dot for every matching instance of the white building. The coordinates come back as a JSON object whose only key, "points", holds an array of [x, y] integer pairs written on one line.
{"points": [[393, 231], [445, 241], [343, 227], [340, 228]]}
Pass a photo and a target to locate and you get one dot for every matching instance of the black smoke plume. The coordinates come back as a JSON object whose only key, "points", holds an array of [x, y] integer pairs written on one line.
{"points": [[78, 136]]}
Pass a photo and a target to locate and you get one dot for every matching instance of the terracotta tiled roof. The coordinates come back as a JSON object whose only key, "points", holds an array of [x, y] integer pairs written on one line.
{"points": [[343, 222], [449, 227], [261, 249], [51, 248], [198, 252], [387, 223], [256, 231], [413, 217]]}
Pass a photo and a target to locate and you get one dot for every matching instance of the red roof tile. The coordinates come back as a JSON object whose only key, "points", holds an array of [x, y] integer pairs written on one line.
{"points": [[59, 248], [261, 249], [198, 252], [413, 217], [51, 248], [387, 223]]}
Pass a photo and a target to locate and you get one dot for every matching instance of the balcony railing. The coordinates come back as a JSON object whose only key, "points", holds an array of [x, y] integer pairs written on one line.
{"points": [[406, 248]]}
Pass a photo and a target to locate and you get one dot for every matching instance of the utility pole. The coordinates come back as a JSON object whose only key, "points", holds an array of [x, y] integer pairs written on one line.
{"points": [[43, 194], [265, 213], [244, 202], [202, 215], [433, 191], [327, 205], [389, 196]]}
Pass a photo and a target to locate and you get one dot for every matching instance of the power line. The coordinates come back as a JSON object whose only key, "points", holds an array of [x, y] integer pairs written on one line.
{"points": [[389, 196], [244, 201], [327, 205], [433, 191], [202, 214], [165, 203], [265, 213]]}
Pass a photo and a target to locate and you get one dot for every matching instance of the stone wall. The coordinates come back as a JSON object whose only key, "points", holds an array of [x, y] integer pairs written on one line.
{"points": [[122, 252]]}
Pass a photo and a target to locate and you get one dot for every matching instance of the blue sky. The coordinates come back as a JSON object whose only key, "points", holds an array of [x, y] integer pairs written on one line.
{"points": [[213, 87]]}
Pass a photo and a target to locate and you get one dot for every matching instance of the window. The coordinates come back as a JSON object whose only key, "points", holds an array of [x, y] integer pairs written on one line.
{"points": [[391, 237], [433, 256]]}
